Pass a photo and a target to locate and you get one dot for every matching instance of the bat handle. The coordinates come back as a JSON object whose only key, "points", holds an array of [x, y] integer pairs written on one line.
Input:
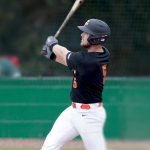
{"points": [[56, 35], [44, 52]]}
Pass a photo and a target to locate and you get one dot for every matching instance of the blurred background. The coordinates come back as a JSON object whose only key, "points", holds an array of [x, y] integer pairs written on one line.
{"points": [[25, 25], [30, 103]]}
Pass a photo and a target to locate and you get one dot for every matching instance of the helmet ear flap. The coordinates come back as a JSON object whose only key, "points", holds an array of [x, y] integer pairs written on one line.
{"points": [[93, 40], [89, 40]]}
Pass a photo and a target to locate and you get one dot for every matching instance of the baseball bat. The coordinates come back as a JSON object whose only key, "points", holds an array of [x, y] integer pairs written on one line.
{"points": [[75, 6]]}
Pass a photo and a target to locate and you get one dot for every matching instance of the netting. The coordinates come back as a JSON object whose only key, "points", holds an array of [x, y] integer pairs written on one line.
{"points": [[30, 23], [130, 33]]}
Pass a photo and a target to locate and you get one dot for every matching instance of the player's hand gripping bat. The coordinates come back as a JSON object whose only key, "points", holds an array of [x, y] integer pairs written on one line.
{"points": [[75, 6]]}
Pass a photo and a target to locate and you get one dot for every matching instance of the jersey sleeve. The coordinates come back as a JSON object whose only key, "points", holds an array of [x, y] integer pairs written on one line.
{"points": [[75, 61]]}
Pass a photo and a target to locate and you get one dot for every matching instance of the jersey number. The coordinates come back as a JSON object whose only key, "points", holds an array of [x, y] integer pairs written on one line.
{"points": [[74, 83], [104, 72]]}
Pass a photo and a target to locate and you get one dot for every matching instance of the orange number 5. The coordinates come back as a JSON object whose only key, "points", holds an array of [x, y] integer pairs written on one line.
{"points": [[104, 72], [75, 83]]}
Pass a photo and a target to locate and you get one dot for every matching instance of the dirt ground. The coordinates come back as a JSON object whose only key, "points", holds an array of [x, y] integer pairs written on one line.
{"points": [[36, 143]]}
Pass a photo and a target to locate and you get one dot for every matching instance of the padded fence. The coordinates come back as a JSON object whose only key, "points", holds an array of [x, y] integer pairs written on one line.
{"points": [[29, 106]]}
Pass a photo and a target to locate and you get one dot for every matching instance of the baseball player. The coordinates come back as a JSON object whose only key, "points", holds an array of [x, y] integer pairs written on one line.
{"points": [[86, 115]]}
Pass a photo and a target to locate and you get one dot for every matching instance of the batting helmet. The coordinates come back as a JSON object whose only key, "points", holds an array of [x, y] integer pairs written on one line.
{"points": [[99, 31]]}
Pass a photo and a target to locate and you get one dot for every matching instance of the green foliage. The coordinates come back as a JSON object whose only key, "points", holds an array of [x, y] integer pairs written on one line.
{"points": [[26, 24]]}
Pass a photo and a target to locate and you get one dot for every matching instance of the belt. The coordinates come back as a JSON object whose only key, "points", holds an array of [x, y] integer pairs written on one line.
{"points": [[85, 106]]}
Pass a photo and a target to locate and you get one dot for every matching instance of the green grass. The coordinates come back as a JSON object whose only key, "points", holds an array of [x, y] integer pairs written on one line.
{"points": [[62, 149]]}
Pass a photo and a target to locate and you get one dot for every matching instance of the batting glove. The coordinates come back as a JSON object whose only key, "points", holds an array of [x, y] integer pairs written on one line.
{"points": [[47, 49], [48, 53], [51, 41]]}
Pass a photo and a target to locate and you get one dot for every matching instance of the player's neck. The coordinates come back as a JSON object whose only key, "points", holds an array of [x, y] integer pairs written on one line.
{"points": [[95, 48]]}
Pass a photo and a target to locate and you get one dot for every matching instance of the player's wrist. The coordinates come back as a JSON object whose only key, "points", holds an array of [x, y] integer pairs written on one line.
{"points": [[52, 45], [52, 55]]}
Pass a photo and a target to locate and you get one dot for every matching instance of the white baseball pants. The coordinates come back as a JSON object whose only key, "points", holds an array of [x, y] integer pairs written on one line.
{"points": [[88, 123]]}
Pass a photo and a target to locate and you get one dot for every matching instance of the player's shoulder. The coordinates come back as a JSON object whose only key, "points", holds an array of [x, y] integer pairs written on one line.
{"points": [[105, 50], [81, 53], [105, 54], [76, 55]]}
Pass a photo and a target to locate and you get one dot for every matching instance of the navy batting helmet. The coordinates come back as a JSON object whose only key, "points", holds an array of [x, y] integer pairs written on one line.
{"points": [[99, 31]]}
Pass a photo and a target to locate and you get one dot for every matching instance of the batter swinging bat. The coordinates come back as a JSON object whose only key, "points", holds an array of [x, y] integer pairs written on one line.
{"points": [[75, 6]]}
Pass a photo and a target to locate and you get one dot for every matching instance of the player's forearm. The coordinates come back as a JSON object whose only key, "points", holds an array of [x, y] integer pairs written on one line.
{"points": [[60, 53]]}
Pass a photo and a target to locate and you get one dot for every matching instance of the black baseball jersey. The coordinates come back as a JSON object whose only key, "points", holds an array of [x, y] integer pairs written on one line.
{"points": [[89, 69]]}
